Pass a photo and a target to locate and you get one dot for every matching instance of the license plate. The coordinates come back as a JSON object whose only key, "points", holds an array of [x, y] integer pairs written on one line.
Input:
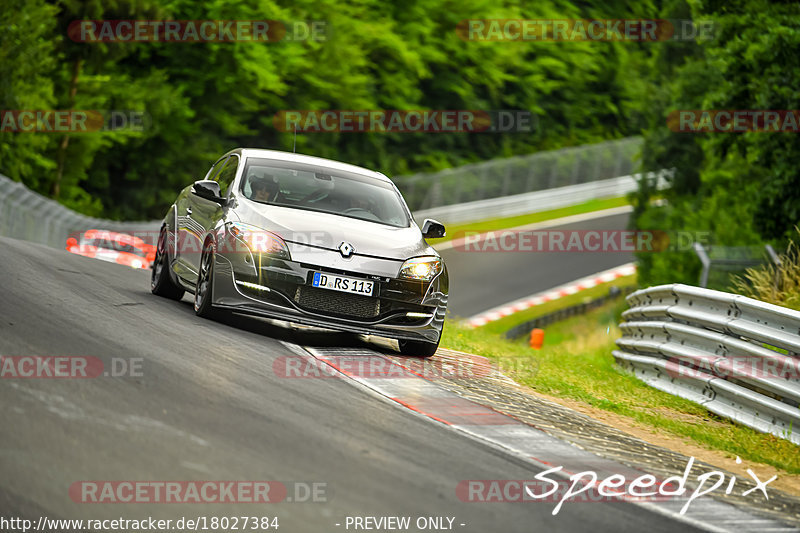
{"points": [[343, 284]]}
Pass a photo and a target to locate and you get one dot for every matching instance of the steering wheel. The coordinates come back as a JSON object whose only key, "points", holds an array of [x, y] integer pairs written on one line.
{"points": [[314, 195]]}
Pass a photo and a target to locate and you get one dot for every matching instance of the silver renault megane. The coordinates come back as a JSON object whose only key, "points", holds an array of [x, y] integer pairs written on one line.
{"points": [[305, 240]]}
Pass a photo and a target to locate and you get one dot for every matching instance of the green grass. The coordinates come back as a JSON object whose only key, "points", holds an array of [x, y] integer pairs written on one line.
{"points": [[576, 363], [759, 282], [504, 324], [457, 230]]}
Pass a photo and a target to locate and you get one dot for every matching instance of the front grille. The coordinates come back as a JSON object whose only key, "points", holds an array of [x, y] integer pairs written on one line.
{"points": [[337, 303]]}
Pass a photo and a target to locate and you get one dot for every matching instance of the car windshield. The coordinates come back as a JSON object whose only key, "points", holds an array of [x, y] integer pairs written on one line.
{"points": [[325, 190], [111, 244]]}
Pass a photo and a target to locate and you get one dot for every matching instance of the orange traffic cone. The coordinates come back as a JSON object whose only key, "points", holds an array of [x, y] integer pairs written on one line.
{"points": [[537, 338]]}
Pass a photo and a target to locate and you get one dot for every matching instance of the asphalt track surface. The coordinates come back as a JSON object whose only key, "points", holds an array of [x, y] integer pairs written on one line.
{"points": [[482, 280], [208, 406]]}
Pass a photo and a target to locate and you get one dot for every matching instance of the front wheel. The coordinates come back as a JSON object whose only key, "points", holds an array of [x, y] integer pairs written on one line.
{"points": [[418, 348], [205, 282], [161, 283]]}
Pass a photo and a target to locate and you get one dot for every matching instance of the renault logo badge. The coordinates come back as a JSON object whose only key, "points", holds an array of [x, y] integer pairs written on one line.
{"points": [[346, 249]]}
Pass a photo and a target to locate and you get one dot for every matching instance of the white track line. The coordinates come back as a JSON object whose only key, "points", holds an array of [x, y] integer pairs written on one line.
{"points": [[501, 311]]}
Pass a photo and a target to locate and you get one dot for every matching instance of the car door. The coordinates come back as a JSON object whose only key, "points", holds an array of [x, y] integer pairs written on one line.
{"points": [[205, 213], [190, 210]]}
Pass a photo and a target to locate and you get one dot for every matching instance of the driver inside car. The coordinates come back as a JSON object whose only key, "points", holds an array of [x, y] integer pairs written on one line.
{"points": [[264, 189], [361, 203]]}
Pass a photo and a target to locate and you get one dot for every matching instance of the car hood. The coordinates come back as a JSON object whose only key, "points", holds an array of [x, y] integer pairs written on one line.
{"points": [[328, 231]]}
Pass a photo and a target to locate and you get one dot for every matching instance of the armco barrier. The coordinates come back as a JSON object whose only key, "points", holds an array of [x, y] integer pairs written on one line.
{"points": [[518, 175], [736, 356], [29, 216], [532, 202]]}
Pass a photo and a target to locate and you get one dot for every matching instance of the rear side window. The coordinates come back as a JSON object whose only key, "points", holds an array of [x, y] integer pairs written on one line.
{"points": [[227, 174], [214, 170]]}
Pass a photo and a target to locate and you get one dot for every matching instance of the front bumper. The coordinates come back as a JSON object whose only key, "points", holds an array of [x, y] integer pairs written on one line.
{"points": [[281, 289]]}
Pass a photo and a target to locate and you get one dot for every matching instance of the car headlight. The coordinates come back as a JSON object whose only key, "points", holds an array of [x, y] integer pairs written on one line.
{"points": [[421, 268], [259, 240]]}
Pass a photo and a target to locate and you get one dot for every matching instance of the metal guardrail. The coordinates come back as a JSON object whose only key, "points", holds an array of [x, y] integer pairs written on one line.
{"points": [[29, 216], [736, 356], [511, 176], [533, 202]]}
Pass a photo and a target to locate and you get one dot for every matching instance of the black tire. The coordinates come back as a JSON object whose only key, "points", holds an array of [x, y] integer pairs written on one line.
{"points": [[161, 283], [418, 348], [204, 289]]}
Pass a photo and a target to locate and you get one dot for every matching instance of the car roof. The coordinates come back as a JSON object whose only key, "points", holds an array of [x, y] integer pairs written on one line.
{"points": [[309, 160]]}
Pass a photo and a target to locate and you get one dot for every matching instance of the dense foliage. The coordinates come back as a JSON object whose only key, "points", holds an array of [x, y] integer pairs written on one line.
{"points": [[742, 189], [205, 98]]}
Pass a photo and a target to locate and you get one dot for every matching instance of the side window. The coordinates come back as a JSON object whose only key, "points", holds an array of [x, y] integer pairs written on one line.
{"points": [[212, 173], [226, 175]]}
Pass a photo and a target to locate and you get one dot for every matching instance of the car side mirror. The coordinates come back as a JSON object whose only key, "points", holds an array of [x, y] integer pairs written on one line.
{"points": [[208, 189], [433, 229]]}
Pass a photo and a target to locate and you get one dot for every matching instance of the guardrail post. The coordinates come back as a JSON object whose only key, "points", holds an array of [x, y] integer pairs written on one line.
{"points": [[701, 253], [777, 280], [506, 179]]}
